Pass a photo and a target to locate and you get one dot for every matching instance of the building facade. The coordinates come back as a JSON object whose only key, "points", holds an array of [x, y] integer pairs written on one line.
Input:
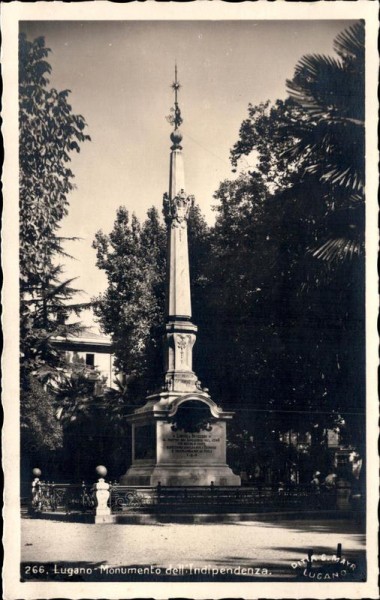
{"points": [[92, 350]]}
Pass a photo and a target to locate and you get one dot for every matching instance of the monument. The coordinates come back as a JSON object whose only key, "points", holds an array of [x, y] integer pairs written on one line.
{"points": [[179, 435]]}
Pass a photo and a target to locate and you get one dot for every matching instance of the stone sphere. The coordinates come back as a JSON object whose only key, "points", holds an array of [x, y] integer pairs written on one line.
{"points": [[176, 137], [36, 472], [101, 471]]}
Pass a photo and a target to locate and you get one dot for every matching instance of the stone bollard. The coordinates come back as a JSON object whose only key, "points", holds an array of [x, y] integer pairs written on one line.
{"points": [[35, 491], [102, 495]]}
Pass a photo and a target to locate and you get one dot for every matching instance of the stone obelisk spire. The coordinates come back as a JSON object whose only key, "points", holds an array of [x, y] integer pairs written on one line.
{"points": [[179, 435], [180, 332]]}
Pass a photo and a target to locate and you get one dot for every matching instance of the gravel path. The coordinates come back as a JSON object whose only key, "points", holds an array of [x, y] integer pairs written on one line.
{"points": [[270, 545]]}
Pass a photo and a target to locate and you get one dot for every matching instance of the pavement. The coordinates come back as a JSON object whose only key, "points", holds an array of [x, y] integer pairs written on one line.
{"points": [[241, 551]]}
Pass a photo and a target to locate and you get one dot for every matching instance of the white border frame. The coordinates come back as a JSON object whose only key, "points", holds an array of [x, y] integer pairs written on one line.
{"points": [[197, 10]]}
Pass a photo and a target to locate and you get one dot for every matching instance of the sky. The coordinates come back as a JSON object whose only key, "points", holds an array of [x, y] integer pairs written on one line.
{"points": [[119, 74]]}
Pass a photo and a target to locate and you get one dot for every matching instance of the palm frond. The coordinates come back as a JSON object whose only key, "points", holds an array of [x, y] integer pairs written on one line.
{"points": [[336, 250], [319, 81], [323, 84], [351, 42], [347, 178]]}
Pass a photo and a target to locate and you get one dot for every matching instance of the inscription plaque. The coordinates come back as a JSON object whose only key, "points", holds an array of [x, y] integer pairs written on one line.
{"points": [[191, 445], [145, 442], [200, 447]]}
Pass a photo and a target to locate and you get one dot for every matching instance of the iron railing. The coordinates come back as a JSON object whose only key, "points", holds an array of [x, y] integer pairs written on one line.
{"points": [[69, 498], [63, 497], [129, 498], [220, 499]]}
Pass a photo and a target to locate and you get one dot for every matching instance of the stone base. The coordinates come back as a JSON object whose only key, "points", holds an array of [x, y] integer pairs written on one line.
{"points": [[189, 475], [179, 439], [103, 518]]}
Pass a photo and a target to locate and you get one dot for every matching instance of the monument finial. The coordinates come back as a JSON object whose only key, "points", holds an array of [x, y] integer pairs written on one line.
{"points": [[175, 117]]}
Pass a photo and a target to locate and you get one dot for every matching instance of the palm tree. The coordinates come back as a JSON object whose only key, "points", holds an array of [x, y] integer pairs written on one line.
{"points": [[331, 93]]}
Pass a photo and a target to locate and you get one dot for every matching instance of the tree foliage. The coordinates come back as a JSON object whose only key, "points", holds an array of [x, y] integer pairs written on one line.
{"points": [[314, 140], [331, 92], [265, 135], [39, 427], [306, 341], [133, 257], [49, 132], [91, 417]]}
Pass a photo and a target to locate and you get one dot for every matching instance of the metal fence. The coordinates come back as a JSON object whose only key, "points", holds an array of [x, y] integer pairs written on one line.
{"points": [[69, 498], [62, 497], [221, 499]]}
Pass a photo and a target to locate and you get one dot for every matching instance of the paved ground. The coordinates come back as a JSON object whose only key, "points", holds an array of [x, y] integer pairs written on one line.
{"points": [[270, 550]]}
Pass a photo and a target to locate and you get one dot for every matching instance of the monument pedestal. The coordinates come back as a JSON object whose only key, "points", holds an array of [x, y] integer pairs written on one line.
{"points": [[180, 441]]}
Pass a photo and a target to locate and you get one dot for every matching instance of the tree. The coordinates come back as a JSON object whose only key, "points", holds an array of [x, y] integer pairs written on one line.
{"points": [[48, 132], [265, 136], [91, 419], [307, 282], [132, 307], [42, 318], [331, 92], [41, 433], [287, 347], [315, 139]]}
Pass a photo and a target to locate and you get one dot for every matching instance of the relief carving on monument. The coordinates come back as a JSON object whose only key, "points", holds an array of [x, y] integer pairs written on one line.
{"points": [[183, 343], [179, 351], [192, 417], [177, 209]]}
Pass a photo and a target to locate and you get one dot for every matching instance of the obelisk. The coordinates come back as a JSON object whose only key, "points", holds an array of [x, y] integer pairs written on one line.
{"points": [[180, 332], [179, 435]]}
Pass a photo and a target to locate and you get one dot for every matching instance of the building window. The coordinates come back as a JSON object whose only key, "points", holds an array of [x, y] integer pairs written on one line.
{"points": [[90, 360]]}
